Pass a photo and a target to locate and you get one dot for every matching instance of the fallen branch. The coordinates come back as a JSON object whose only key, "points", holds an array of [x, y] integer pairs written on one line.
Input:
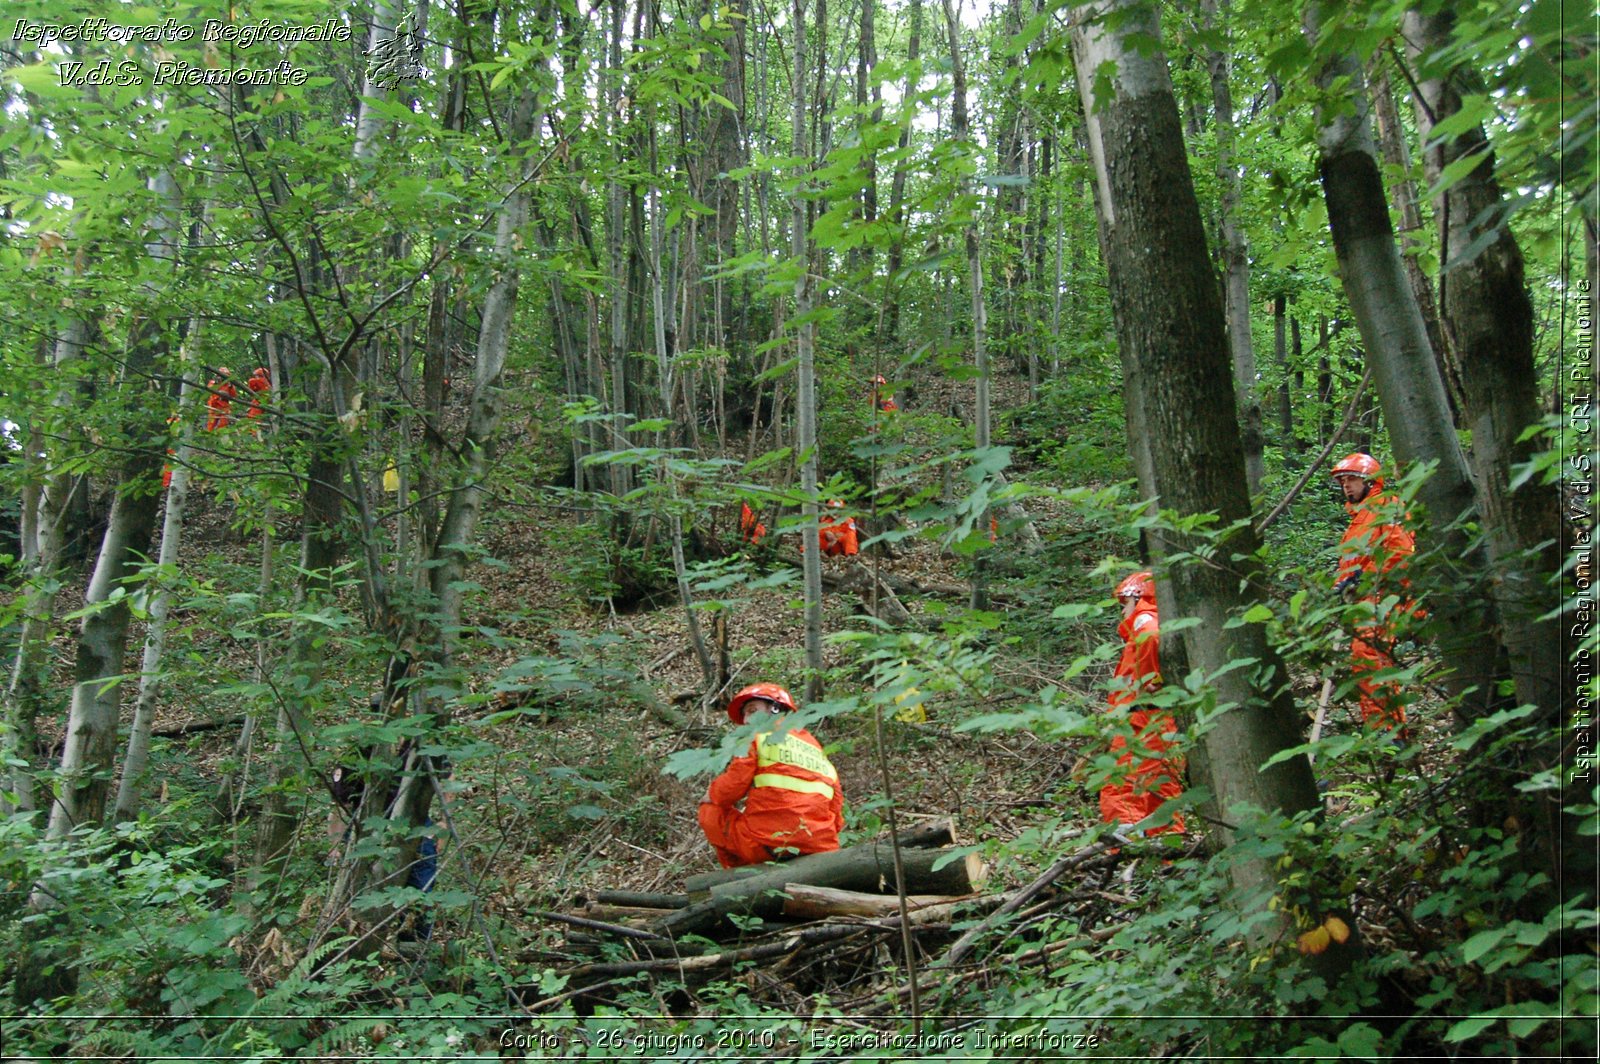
{"points": [[595, 925], [963, 945]]}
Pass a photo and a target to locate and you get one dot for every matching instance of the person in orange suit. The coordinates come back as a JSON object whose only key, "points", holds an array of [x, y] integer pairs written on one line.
{"points": [[1372, 560], [750, 530], [219, 403], [259, 384], [1149, 778], [788, 788], [885, 403], [836, 533], [166, 470]]}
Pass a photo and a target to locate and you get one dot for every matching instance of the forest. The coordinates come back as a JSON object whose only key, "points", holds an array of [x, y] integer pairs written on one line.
{"points": [[432, 430]]}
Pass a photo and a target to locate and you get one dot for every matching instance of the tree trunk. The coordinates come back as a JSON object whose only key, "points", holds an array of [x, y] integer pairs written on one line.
{"points": [[159, 597], [980, 354], [1175, 353], [29, 671], [1407, 378], [1488, 319], [805, 343], [1235, 255], [897, 186]]}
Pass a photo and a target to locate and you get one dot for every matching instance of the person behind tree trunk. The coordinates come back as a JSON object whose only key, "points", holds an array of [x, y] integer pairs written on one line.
{"points": [[836, 533], [885, 403], [260, 385], [1372, 561], [219, 403], [788, 789], [349, 782], [1149, 779]]}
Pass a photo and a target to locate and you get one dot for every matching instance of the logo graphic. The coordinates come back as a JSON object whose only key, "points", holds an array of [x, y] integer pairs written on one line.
{"points": [[396, 57]]}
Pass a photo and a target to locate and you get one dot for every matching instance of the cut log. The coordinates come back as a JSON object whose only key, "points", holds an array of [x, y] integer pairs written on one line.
{"points": [[934, 833], [621, 914], [868, 867], [818, 903], [644, 899]]}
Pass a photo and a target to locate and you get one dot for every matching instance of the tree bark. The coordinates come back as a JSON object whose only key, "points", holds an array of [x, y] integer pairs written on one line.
{"points": [[805, 344], [1235, 255], [1407, 378], [1488, 320], [159, 597], [1176, 359]]}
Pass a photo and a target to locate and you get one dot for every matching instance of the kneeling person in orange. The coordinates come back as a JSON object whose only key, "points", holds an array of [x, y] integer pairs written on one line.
{"points": [[1154, 779], [788, 787], [836, 533]]}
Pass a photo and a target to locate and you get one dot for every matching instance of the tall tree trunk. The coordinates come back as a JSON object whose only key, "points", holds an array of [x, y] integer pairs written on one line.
{"points": [[1280, 357], [897, 186], [1175, 353], [805, 345], [1407, 378], [137, 758], [1403, 193], [980, 353], [1235, 254], [1488, 320], [90, 745], [26, 684]]}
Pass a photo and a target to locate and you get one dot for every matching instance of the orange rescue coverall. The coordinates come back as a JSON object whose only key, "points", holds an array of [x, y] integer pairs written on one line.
{"points": [[750, 530], [259, 386], [1153, 779], [791, 797], [1375, 544], [837, 538], [219, 402]]}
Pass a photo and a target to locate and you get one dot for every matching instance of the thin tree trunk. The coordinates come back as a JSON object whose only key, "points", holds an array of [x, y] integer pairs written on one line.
{"points": [[980, 354], [897, 186], [805, 344], [26, 684], [1235, 253], [144, 710], [90, 744], [1403, 193]]}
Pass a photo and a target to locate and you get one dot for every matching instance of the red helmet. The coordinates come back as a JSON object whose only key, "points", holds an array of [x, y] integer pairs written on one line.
{"points": [[835, 504], [1357, 465], [879, 380], [261, 371], [1141, 584], [769, 691]]}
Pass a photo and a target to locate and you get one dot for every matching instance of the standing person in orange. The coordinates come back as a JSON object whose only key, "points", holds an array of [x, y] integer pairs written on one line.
{"points": [[836, 533], [750, 530], [788, 788], [259, 384], [1376, 545], [1152, 779], [219, 403]]}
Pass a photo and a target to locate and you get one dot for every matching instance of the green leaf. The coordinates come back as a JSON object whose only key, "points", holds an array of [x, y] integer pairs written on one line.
{"points": [[1482, 943], [1469, 1028]]}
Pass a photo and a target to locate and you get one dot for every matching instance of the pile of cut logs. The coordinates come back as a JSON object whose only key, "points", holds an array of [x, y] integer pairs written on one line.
{"points": [[857, 880], [814, 908]]}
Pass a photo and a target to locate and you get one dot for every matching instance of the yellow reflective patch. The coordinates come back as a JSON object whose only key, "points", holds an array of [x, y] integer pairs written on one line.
{"points": [[789, 783], [796, 752]]}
